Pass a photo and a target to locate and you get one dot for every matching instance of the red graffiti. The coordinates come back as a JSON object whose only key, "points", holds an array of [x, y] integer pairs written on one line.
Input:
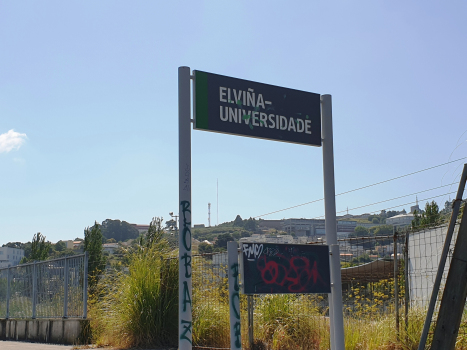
{"points": [[294, 274]]}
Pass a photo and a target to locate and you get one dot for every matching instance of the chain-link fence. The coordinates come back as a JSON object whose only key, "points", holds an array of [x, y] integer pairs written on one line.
{"points": [[424, 251], [386, 278], [47, 289], [291, 320]]}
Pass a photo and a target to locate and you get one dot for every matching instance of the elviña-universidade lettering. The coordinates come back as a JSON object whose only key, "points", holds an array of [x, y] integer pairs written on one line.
{"points": [[252, 115]]}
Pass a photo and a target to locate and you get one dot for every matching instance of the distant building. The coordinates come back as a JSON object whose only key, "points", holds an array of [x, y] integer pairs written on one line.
{"points": [[400, 220], [10, 256], [110, 247], [198, 226], [69, 244], [77, 244], [259, 238], [270, 224], [315, 228], [141, 228]]}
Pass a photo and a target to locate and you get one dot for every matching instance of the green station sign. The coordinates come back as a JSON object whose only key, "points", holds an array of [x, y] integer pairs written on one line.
{"points": [[246, 108]]}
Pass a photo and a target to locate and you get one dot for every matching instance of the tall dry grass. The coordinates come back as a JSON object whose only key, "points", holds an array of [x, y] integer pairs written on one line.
{"points": [[140, 307]]}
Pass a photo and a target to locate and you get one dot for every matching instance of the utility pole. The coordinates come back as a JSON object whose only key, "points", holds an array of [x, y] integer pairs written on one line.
{"points": [[442, 261], [455, 291], [209, 214]]}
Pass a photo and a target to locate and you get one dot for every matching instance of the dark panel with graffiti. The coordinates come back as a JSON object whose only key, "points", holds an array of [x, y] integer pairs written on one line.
{"points": [[285, 268]]}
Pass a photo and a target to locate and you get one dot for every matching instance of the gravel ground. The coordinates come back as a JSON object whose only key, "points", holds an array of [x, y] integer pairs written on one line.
{"points": [[19, 345]]}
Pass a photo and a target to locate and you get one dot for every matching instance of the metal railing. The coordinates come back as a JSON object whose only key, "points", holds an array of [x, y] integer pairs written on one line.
{"points": [[45, 289]]}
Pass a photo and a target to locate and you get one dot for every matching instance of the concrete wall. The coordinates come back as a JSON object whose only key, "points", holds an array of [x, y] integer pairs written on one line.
{"points": [[56, 331]]}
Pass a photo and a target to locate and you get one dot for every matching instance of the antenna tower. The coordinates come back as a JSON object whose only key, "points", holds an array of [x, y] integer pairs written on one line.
{"points": [[209, 214]]}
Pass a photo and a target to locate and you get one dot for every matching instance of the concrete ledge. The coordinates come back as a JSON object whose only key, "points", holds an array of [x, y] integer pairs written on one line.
{"points": [[54, 331]]}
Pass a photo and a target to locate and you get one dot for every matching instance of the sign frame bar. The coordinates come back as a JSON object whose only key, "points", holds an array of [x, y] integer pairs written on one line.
{"points": [[185, 209], [336, 314]]}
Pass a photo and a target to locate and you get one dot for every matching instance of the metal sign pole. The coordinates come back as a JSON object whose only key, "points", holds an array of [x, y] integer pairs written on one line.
{"points": [[184, 237], [34, 289], [85, 286], [65, 288], [8, 280], [336, 310], [234, 296]]}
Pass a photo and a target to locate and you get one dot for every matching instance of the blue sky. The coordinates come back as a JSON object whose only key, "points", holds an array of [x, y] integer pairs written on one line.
{"points": [[88, 107]]}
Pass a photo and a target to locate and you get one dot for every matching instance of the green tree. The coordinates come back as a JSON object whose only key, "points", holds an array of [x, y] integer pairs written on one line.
{"points": [[222, 240], [60, 246], [431, 216], [204, 248], [416, 220], [238, 221], [155, 231], [93, 239], [236, 235], [119, 230], [251, 224], [245, 234], [360, 231], [39, 248], [17, 245], [66, 252], [171, 225], [384, 230]]}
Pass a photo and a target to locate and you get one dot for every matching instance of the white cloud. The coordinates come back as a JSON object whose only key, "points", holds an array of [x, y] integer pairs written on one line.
{"points": [[11, 140]]}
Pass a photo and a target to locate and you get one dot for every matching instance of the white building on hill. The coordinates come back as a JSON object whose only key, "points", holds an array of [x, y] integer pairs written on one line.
{"points": [[400, 220], [110, 247], [10, 256]]}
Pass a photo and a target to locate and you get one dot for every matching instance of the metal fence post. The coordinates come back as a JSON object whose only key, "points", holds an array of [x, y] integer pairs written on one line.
{"points": [[250, 321], [85, 286], [396, 285], [406, 289], [34, 287], [65, 289], [8, 293]]}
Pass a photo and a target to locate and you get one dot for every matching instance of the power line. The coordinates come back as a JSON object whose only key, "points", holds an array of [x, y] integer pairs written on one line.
{"points": [[388, 200], [361, 188], [396, 206]]}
